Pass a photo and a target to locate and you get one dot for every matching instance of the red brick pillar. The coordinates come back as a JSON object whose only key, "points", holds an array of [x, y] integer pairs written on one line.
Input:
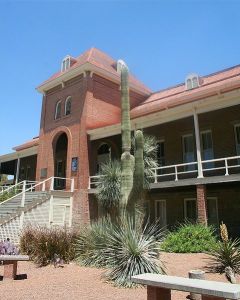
{"points": [[201, 204], [81, 213], [154, 293]]}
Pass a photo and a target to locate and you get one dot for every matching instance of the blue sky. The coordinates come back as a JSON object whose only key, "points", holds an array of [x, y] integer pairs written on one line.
{"points": [[161, 41]]}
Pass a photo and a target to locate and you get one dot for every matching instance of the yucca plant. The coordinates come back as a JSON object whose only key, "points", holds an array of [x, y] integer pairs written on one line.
{"points": [[128, 248], [225, 256]]}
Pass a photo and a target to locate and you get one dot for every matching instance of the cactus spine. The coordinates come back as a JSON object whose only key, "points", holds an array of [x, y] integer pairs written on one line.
{"points": [[132, 168]]}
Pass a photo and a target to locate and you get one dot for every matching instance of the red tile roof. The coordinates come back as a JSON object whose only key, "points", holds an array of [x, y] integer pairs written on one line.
{"points": [[103, 61], [28, 144], [227, 79]]}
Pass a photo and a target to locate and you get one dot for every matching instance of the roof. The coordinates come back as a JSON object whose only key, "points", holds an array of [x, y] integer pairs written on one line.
{"points": [[28, 144], [226, 79], [101, 60]]}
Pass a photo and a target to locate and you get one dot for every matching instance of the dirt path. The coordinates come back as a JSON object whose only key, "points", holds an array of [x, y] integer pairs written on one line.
{"points": [[74, 282]]}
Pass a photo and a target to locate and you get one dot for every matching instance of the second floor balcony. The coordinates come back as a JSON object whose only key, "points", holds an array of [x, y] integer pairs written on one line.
{"points": [[218, 170]]}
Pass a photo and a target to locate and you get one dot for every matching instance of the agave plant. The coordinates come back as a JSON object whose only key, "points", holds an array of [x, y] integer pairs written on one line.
{"points": [[127, 248], [225, 257]]}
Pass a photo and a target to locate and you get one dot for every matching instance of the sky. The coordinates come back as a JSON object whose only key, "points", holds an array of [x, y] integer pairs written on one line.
{"points": [[161, 41]]}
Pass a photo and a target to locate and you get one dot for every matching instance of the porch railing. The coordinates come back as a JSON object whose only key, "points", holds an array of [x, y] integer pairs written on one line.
{"points": [[16, 188], [211, 167]]}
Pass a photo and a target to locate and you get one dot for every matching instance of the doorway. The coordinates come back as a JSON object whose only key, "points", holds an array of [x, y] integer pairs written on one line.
{"points": [[60, 162]]}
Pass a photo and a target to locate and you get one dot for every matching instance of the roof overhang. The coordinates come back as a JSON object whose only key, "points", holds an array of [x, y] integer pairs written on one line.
{"points": [[19, 154], [82, 69], [216, 102]]}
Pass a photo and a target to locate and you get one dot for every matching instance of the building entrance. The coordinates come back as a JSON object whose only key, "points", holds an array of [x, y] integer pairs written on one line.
{"points": [[60, 162]]}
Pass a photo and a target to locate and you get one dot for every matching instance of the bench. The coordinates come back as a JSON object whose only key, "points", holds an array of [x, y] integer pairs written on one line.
{"points": [[10, 264], [160, 286]]}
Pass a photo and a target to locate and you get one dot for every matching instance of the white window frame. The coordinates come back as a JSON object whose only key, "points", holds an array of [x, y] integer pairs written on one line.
{"points": [[165, 210], [69, 98], [209, 165], [56, 110], [191, 77], [235, 135], [188, 167], [185, 206], [66, 62]]}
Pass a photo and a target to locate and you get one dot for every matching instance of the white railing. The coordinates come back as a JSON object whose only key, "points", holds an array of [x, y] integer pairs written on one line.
{"points": [[211, 167], [46, 185], [16, 188], [94, 181]]}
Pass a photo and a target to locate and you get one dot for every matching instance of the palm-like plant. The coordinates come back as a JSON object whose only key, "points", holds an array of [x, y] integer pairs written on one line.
{"points": [[109, 185], [108, 188]]}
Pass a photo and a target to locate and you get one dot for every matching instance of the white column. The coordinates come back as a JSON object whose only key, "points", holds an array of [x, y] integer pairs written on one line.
{"points": [[198, 146], [17, 172]]}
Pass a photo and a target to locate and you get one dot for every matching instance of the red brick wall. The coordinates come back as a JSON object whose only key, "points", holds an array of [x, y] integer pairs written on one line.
{"points": [[95, 102]]}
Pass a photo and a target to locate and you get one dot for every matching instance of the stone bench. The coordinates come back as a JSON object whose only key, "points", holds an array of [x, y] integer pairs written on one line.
{"points": [[159, 287], [10, 264]]}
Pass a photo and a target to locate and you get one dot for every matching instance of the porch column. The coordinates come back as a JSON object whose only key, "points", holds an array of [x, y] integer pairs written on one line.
{"points": [[17, 172], [201, 204], [198, 146]]}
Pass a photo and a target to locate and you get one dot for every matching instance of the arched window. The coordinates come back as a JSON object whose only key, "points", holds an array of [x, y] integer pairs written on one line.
{"points": [[192, 81], [68, 104], [58, 110]]}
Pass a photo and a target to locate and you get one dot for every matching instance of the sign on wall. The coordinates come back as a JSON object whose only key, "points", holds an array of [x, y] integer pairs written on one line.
{"points": [[74, 164]]}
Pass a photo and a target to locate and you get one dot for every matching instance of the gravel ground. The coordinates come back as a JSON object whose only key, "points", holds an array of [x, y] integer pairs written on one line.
{"points": [[75, 282]]}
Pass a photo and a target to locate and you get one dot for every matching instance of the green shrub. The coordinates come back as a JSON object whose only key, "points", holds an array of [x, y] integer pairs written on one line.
{"points": [[189, 238], [41, 243], [128, 248]]}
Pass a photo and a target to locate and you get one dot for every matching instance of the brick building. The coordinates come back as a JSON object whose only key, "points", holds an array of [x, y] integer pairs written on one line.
{"points": [[197, 124]]}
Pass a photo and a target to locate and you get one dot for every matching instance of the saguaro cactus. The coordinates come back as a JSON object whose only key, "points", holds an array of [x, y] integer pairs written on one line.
{"points": [[127, 160], [132, 168]]}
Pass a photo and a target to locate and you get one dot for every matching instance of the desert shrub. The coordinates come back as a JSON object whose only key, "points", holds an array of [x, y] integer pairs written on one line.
{"points": [[41, 243], [225, 256], [189, 238], [126, 247]]}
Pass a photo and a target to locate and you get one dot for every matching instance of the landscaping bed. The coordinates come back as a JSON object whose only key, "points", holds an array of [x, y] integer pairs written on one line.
{"points": [[75, 282]]}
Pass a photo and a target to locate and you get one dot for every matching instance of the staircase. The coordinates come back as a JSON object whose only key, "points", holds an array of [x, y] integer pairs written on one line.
{"points": [[13, 207], [35, 204]]}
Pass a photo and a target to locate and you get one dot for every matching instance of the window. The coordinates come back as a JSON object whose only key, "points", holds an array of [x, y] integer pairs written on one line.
{"points": [[237, 138], [58, 110], [207, 148], [160, 212], [190, 210], [68, 104], [104, 155], [188, 151], [212, 211], [28, 173], [65, 64], [192, 81], [161, 153]]}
